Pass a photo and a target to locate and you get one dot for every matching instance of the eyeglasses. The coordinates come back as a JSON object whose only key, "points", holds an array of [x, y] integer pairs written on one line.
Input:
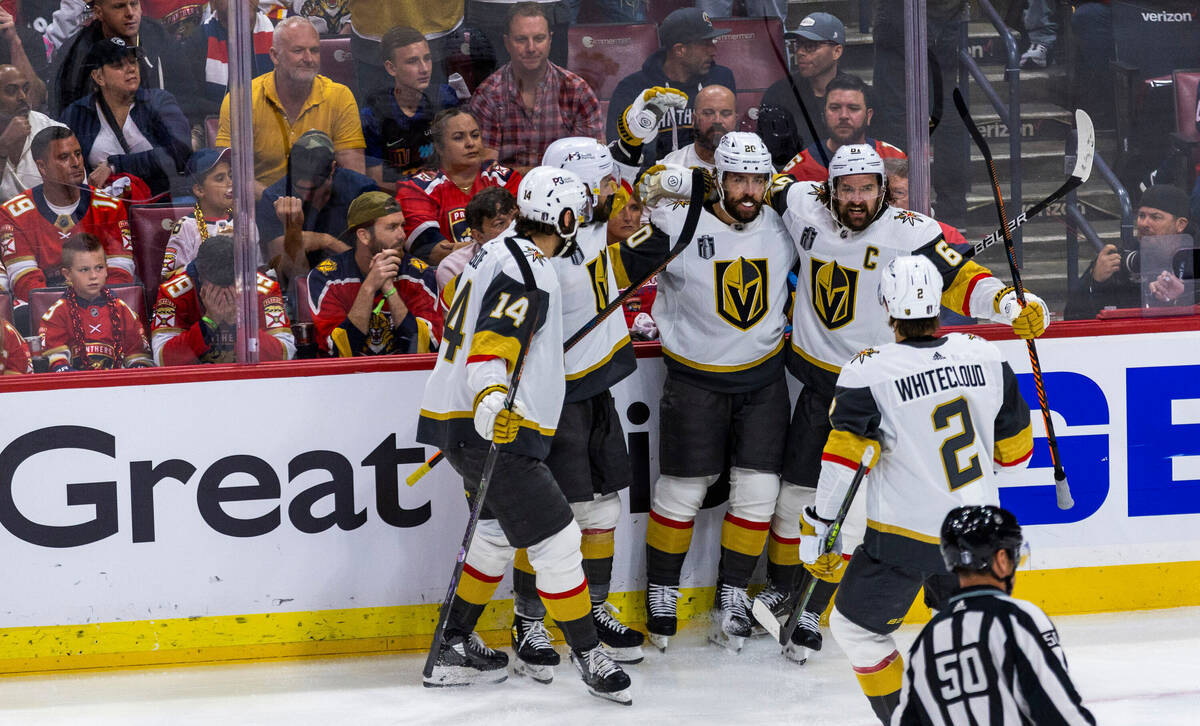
{"points": [[811, 46]]}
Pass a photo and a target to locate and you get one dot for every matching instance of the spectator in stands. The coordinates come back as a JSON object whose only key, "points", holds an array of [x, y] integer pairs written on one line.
{"points": [[489, 215], [819, 41], [12, 52], [212, 185], [206, 61], [435, 202], [125, 129], [396, 119], [847, 113], [750, 8], [714, 116], [306, 219], [1109, 281], [34, 223], [375, 299], [1091, 25], [293, 99], [196, 315], [14, 351], [623, 11], [19, 123], [493, 16], [371, 19], [529, 102], [1041, 28], [113, 19], [329, 17], [89, 328], [685, 60]]}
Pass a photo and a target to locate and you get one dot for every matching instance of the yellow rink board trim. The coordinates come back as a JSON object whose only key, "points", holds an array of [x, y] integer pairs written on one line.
{"points": [[408, 628]]}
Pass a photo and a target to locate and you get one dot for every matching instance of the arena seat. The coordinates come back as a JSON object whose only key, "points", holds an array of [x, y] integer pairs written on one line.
{"points": [[211, 125], [337, 62], [151, 225], [1187, 117], [132, 294], [304, 304], [753, 49], [657, 10], [604, 54]]}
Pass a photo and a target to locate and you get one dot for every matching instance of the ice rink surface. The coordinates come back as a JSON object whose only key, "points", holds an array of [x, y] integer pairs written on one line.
{"points": [[1132, 668]]}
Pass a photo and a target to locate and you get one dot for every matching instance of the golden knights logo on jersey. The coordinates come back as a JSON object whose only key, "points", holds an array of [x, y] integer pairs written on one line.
{"points": [[742, 288], [598, 274], [833, 290]]}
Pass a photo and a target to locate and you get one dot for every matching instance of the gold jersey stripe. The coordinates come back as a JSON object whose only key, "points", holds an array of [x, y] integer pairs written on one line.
{"points": [[815, 361], [882, 680], [624, 341], [1015, 447], [598, 545], [711, 368], [902, 532], [955, 297], [486, 343]]}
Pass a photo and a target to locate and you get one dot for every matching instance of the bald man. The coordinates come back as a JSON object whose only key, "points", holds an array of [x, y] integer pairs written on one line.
{"points": [[715, 116], [18, 125]]}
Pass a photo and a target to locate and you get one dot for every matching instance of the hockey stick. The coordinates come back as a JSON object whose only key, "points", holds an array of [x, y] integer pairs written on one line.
{"points": [[761, 612], [685, 238], [1061, 488], [489, 464]]}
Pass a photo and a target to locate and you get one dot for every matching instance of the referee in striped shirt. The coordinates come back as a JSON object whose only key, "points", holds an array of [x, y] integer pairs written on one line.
{"points": [[987, 659]]}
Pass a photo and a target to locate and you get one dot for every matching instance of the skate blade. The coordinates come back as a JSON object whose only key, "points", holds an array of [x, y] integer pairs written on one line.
{"points": [[622, 697], [659, 641], [765, 618], [625, 656], [797, 654], [453, 676], [539, 673], [732, 643]]}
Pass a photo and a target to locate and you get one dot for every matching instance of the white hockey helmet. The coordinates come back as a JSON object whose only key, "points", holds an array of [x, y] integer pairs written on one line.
{"points": [[741, 152], [557, 197], [910, 288], [588, 158], [856, 159]]}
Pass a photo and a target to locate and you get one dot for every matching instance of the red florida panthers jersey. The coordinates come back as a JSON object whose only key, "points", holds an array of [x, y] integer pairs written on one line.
{"points": [[807, 166], [435, 209], [32, 236], [14, 353], [178, 335], [103, 326]]}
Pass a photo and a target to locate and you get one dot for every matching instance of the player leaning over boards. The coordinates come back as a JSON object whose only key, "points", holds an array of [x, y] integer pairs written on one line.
{"points": [[986, 652], [587, 458], [508, 296], [846, 235], [720, 312], [943, 413]]}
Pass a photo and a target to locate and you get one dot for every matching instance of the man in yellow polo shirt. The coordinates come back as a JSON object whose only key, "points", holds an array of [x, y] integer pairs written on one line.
{"points": [[293, 99]]}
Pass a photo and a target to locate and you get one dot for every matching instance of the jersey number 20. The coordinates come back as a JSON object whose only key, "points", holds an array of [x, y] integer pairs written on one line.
{"points": [[956, 475]]}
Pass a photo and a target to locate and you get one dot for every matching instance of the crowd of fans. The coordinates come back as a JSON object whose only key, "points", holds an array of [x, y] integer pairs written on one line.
{"points": [[370, 194]]}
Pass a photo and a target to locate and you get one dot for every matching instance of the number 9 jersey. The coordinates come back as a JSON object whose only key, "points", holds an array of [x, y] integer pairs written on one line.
{"points": [[944, 414]]}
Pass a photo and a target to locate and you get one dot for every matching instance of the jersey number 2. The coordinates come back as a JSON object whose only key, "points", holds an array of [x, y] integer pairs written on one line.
{"points": [[957, 476]]}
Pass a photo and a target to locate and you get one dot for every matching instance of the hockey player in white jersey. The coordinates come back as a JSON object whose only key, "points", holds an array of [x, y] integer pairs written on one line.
{"points": [[721, 314], [987, 658], [509, 294], [944, 413], [587, 458]]}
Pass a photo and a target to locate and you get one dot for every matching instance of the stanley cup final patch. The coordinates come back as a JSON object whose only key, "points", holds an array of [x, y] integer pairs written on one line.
{"points": [[707, 246]]}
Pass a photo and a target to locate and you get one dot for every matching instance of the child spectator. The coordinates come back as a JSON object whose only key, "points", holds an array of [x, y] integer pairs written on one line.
{"points": [[489, 214], [212, 183], [88, 328], [14, 352]]}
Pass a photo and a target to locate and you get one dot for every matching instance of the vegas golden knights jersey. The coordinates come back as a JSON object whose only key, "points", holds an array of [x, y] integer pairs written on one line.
{"points": [[488, 319], [721, 303], [837, 312], [943, 414], [605, 355]]}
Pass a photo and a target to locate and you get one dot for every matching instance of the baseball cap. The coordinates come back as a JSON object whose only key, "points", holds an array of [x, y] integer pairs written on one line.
{"points": [[819, 26], [108, 51], [687, 25], [1166, 198], [312, 156], [203, 161], [367, 208]]}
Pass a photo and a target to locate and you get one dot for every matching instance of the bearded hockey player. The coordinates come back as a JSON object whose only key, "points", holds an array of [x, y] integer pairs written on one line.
{"points": [[587, 458], [506, 296], [944, 413], [720, 312]]}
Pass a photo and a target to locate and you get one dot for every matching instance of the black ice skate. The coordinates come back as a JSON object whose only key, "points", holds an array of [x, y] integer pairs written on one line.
{"points": [[603, 677], [622, 643], [536, 656], [660, 613], [770, 601], [464, 660], [806, 638], [731, 618]]}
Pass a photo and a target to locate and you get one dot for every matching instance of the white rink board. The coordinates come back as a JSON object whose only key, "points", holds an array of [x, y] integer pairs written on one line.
{"points": [[188, 568]]}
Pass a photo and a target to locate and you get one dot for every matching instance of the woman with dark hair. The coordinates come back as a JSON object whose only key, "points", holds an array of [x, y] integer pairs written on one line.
{"points": [[125, 129], [435, 200]]}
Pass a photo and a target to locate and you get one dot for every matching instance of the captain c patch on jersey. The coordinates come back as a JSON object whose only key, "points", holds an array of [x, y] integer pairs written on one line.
{"points": [[741, 288], [833, 290]]}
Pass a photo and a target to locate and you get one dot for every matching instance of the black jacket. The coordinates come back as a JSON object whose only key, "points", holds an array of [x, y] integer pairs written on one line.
{"points": [[69, 77], [675, 130]]}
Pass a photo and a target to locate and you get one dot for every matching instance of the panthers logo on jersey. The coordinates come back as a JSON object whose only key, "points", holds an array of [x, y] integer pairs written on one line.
{"points": [[833, 291], [741, 287]]}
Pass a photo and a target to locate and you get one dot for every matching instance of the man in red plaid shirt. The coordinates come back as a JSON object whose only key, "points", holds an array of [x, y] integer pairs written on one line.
{"points": [[529, 102]]}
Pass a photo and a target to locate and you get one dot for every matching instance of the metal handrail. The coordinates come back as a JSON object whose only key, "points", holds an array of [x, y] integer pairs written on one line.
{"points": [[1077, 222], [1010, 113], [1106, 173]]}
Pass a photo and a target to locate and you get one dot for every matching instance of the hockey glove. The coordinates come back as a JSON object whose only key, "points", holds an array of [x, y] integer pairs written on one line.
{"points": [[639, 124], [1028, 322], [665, 181], [493, 421], [812, 539]]}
